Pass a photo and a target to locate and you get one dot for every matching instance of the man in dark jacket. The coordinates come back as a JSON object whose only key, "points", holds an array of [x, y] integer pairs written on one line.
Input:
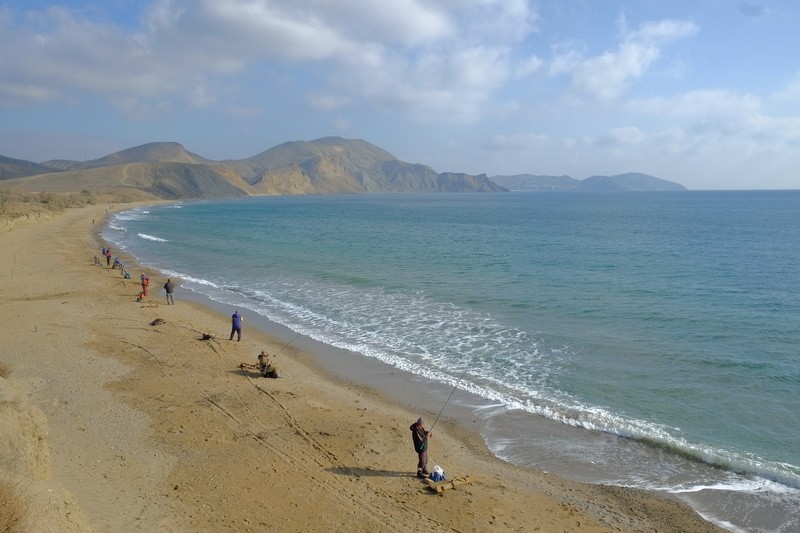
{"points": [[170, 288], [420, 437]]}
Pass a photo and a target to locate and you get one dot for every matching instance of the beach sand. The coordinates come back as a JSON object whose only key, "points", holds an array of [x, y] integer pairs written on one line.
{"points": [[108, 423]]}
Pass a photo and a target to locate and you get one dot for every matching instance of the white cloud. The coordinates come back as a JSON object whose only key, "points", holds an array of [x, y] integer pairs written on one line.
{"points": [[788, 96], [447, 57], [213, 33], [627, 135], [19, 94], [608, 76], [141, 110], [664, 31], [497, 21], [719, 123], [327, 102], [699, 103], [721, 139], [341, 124], [244, 112], [456, 86], [528, 66], [722, 123], [518, 142], [202, 96]]}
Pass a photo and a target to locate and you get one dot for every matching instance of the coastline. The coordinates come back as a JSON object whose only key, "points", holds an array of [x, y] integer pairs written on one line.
{"points": [[166, 433]]}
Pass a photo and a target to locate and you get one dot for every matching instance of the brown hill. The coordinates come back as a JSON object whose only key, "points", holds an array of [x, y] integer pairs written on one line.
{"points": [[337, 165], [137, 181], [157, 152], [14, 168], [324, 166]]}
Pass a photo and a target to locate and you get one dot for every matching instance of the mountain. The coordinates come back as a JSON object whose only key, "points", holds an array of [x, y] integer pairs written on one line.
{"points": [[158, 152], [16, 168], [632, 181], [331, 165], [337, 165], [167, 170], [150, 171], [532, 182]]}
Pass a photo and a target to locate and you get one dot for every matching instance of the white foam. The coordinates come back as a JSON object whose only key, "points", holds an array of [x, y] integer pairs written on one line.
{"points": [[199, 281], [137, 213], [439, 340], [151, 237]]}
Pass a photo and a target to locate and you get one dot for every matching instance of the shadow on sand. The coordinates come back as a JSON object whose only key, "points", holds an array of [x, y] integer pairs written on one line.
{"points": [[354, 471]]}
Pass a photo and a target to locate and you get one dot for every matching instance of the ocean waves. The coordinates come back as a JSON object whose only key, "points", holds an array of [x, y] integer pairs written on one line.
{"points": [[616, 318], [151, 237], [458, 347]]}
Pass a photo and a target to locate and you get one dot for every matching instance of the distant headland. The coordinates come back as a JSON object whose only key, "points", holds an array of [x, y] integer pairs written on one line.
{"points": [[631, 181]]}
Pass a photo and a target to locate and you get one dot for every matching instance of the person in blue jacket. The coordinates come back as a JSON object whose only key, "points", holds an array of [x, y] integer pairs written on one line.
{"points": [[236, 325]]}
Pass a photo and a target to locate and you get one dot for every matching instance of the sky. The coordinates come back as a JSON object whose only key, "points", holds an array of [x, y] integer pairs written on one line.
{"points": [[704, 93]]}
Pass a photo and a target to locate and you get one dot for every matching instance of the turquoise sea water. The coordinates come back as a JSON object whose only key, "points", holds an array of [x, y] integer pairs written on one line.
{"points": [[669, 319]]}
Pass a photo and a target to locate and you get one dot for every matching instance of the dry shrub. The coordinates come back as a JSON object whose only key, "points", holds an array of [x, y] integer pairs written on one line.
{"points": [[14, 508], [5, 372]]}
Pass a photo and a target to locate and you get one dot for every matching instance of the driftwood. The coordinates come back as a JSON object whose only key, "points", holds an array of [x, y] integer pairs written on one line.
{"points": [[441, 486]]}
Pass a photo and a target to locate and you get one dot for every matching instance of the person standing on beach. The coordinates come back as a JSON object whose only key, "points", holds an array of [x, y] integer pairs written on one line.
{"points": [[236, 325], [107, 253], [145, 284], [419, 435], [169, 287]]}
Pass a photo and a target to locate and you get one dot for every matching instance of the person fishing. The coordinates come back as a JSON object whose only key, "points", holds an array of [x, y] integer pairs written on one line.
{"points": [[236, 325], [419, 436], [265, 366]]}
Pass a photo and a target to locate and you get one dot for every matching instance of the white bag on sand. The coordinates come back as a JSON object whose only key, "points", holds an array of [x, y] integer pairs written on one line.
{"points": [[438, 473]]}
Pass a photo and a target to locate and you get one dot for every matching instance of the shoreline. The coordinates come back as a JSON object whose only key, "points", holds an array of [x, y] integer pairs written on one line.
{"points": [[167, 433], [593, 457]]}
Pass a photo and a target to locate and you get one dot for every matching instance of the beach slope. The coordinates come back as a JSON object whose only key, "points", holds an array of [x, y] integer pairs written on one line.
{"points": [[150, 428]]}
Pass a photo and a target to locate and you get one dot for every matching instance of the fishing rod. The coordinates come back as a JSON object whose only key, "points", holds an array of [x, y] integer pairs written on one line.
{"points": [[448, 398], [282, 348], [288, 343]]}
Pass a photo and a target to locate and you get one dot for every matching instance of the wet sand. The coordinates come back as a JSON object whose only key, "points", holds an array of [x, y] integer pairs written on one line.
{"points": [[152, 428]]}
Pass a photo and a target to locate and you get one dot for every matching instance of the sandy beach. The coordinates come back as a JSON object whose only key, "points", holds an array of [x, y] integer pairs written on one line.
{"points": [[109, 423]]}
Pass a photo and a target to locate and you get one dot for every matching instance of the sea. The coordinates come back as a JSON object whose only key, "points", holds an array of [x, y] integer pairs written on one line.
{"points": [[640, 339]]}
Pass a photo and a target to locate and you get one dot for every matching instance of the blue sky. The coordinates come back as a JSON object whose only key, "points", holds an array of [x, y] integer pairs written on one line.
{"points": [[705, 93]]}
